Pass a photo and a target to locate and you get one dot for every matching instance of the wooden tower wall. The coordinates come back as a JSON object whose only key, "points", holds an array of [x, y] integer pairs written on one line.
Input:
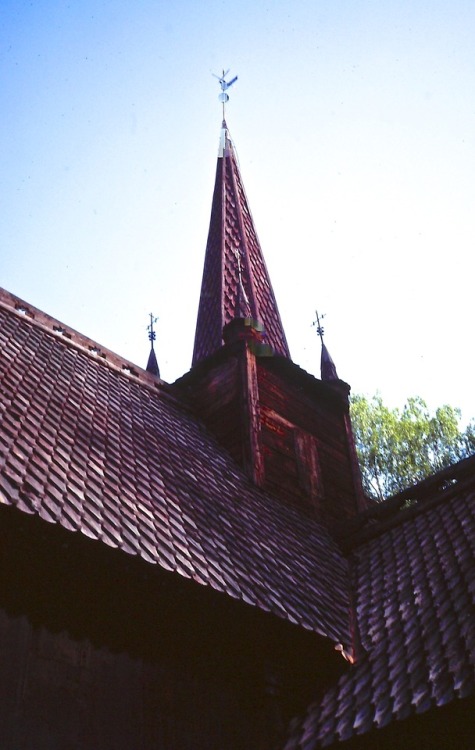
{"points": [[307, 454], [289, 431]]}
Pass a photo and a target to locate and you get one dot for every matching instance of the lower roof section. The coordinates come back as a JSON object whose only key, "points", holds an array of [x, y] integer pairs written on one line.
{"points": [[415, 602]]}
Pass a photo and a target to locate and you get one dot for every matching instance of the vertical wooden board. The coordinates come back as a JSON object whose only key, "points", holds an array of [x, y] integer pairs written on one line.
{"points": [[193, 711], [63, 693], [216, 398], [311, 413], [53, 708], [321, 470], [309, 468], [251, 419], [15, 635], [115, 701]]}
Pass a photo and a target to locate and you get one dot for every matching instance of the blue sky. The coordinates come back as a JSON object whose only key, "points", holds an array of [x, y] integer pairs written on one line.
{"points": [[354, 123]]}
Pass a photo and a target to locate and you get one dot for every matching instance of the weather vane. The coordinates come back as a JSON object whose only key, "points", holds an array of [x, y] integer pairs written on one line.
{"points": [[225, 85], [318, 325], [151, 333]]}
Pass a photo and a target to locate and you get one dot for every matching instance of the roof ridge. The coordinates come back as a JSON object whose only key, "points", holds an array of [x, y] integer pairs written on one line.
{"points": [[443, 486], [73, 338]]}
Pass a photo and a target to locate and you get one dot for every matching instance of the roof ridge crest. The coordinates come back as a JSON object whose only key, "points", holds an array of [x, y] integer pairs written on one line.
{"points": [[73, 338]]}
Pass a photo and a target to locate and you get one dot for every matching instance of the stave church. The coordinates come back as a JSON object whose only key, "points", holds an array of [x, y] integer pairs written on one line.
{"points": [[194, 565]]}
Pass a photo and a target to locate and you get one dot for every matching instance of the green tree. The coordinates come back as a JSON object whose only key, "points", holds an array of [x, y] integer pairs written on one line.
{"points": [[398, 447]]}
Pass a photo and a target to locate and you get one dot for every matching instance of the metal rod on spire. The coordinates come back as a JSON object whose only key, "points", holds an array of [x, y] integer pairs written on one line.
{"points": [[327, 366], [225, 85], [151, 333], [319, 328], [152, 364]]}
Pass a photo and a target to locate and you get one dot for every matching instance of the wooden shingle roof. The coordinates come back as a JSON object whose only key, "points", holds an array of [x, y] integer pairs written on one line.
{"points": [[104, 449], [235, 281], [413, 574]]}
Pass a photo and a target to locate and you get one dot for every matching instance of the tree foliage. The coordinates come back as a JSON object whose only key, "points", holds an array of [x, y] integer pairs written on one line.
{"points": [[398, 447]]}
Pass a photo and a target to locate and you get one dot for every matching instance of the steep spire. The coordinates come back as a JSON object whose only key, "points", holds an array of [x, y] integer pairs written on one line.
{"points": [[152, 364], [235, 281], [327, 366]]}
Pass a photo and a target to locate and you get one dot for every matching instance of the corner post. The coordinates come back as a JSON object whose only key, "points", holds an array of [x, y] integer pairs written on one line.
{"points": [[249, 333]]}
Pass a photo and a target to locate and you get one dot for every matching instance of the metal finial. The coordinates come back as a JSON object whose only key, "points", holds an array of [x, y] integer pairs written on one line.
{"points": [[319, 328], [225, 85], [327, 366], [151, 333], [152, 364]]}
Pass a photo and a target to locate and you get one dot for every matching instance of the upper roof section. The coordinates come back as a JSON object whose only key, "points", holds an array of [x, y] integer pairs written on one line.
{"points": [[235, 281], [104, 449]]}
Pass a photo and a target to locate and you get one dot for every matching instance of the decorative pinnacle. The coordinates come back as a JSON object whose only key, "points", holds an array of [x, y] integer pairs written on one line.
{"points": [[225, 85], [151, 333], [327, 366], [152, 364]]}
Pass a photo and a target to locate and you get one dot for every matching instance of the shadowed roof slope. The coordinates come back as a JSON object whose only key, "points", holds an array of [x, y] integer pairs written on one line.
{"points": [[235, 280], [414, 580], [104, 449]]}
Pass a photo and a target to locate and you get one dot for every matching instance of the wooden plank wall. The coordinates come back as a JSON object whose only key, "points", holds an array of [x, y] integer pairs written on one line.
{"points": [[216, 397], [61, 693], [305, 446], [101, 650]]}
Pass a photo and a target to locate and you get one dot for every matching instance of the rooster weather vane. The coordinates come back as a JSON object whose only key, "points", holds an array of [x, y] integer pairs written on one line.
{"points": [[225, 85]]}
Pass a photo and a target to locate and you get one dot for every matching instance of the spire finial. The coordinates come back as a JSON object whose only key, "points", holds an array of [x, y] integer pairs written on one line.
{"points": [[318, 326], [225, 85], [151, 333], [152, 364], [327, 366]]}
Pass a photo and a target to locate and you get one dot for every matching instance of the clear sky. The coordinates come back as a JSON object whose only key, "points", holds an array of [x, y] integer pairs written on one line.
{"points": [[354, 122]]}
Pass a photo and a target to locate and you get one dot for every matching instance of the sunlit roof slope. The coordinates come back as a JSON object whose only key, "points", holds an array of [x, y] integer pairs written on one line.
{"points": [[103, 449]]}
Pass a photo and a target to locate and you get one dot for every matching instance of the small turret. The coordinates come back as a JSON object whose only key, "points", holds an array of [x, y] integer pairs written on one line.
{"points": [[327, 365], [152, 364]]}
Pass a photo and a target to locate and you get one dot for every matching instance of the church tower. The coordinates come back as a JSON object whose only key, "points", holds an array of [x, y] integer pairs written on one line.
{"points": [[290, 431]]}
